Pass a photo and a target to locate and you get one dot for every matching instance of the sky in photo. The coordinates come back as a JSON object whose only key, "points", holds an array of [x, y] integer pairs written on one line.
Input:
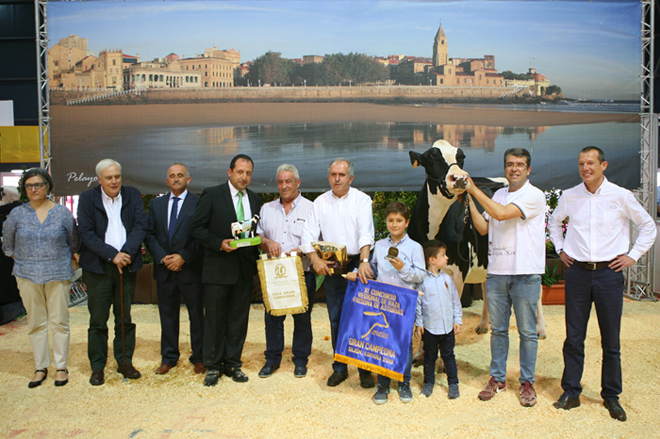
{"points": [[590, 49]]}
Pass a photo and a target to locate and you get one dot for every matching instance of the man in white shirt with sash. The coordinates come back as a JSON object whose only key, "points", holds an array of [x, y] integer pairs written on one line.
{"points": [[342, 215], [516, 260], [280, 227], [596, 249]]}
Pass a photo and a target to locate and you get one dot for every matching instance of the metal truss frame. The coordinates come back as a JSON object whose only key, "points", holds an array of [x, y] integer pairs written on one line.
{"points": [[640, 276], [42, 75]]}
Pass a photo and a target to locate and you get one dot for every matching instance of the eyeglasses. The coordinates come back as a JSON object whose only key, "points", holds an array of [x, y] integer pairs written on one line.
{"points": [[35, 186], [518, 166]]}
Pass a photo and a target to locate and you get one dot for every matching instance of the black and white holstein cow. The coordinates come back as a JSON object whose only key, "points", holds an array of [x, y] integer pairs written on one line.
{"points": [[438, 215]]}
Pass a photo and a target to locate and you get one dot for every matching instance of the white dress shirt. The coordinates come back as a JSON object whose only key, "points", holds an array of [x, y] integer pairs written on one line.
{"points": [[347, 220], [285, 229], [247, 212], [181, 198], [599, 228], [115, 234]]}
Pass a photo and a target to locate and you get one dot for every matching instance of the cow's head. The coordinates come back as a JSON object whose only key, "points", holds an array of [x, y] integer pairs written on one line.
{"points": [[443, 163]]}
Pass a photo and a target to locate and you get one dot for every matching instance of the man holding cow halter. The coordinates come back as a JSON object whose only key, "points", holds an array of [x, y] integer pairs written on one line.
{"points": [[515, 222]]}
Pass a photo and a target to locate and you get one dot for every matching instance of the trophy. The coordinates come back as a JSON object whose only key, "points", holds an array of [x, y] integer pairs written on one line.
{"points": [[243, 233], [392, 253], [329, 251]]}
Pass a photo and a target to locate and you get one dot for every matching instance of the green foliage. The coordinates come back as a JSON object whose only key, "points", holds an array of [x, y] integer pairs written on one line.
{"points": [[550, 277], [553, 89], [271, 68], [515, 76], [380, 202]]}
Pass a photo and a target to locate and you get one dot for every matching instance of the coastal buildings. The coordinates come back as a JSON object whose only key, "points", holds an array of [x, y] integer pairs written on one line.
{"points": [[73, 67]]}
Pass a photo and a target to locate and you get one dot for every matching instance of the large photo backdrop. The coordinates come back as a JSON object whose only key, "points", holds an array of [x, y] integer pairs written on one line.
{"points": [[149, 83]]}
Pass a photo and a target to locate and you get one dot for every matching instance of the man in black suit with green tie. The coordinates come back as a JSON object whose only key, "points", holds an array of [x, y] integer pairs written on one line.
{"points": [[227, 272]]}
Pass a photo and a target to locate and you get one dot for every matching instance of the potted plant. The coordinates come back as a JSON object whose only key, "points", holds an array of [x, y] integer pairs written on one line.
{"points": [[553, 286]]}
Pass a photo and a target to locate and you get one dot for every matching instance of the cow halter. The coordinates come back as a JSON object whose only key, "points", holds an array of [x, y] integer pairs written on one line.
{"points": [[442, 183]]}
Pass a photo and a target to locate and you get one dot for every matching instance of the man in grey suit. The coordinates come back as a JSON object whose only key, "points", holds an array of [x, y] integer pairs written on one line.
{"points": [[177, 267]]}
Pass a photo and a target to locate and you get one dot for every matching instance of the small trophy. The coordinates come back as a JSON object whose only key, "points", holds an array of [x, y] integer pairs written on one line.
{"points": [[243, 233], [392, 253], [329, 251]]}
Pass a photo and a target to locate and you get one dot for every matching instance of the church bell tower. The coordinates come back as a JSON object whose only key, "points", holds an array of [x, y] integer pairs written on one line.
{"points": [[440, 49]]}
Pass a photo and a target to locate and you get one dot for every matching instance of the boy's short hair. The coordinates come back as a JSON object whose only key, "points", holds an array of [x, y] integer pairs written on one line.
{"points": [[397, 207], [431, 249]]}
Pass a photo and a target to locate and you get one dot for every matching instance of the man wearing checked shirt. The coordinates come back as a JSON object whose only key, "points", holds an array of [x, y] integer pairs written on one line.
{"points": [[596, 250]]}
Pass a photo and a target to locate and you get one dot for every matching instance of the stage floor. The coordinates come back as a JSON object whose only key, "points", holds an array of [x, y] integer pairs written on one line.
{"points": [[177, 405]]}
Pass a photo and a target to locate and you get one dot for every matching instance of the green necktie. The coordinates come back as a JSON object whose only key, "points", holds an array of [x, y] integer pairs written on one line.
{"points": [[240, 215]]}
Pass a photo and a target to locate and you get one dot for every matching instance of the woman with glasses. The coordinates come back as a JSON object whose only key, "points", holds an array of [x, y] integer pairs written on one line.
{"points": [[42, 237]]}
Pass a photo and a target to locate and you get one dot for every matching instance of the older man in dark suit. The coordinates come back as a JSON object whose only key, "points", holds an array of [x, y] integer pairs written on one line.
{"points": [[177, 267], [112, 224], [227, 272]]}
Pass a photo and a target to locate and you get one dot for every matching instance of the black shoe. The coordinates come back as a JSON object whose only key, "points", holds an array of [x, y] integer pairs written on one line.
{"points": [[337, 378], [565, 402], [97, 378], [60, 383], [212, 377], [268, 370], [300, 371], [367, 380], [616, 411], [37, 383], [237, 375], [129, 372]]}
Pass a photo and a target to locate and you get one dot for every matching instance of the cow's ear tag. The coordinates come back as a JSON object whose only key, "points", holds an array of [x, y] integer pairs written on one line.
{"points": [[415, 164]]}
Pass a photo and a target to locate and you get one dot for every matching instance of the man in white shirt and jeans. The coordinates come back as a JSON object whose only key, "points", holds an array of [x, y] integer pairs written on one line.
{"points": [[342, 215], [596, 250], [516, 260]]}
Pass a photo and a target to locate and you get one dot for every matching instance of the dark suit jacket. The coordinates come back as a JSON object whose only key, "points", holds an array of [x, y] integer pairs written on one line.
{"points": [[211, 225], [158, 240], [93, 223]]}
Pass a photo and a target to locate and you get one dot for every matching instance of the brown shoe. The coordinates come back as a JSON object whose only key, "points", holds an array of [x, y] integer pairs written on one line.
{"points": [[163, 369], [130, 372], [97, 378], [199, 368]]}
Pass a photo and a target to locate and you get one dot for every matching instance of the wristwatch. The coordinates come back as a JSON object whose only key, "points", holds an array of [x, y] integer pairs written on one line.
{"points": [[364, 260]]}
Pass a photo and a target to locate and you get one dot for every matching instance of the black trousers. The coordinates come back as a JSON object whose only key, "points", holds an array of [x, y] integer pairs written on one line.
{"points": [[445, 343], [301, 345], [226, 312], [604, 288], [103, 291], [169, 309]]}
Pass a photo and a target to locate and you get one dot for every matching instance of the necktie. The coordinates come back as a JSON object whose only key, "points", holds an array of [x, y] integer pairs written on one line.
{"points": [[240, 215], [173, 214]]}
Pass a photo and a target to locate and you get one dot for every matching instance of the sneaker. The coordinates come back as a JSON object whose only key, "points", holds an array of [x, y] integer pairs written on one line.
{"points": [[427, 390], [527, 395], [381, 395], [453, 391], [405, 394], [491, 389]]}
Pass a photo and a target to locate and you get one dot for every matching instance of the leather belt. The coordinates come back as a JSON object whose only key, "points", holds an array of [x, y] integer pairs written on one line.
{"points": [[593, 266]]}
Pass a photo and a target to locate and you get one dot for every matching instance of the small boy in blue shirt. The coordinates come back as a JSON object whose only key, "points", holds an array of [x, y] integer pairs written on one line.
{"points": [[439, 318], [404, 270]]}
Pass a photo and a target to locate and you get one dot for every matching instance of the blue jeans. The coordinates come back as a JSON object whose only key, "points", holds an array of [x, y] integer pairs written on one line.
{"points": [[604, 288], [522, 291], [335, 290]]}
